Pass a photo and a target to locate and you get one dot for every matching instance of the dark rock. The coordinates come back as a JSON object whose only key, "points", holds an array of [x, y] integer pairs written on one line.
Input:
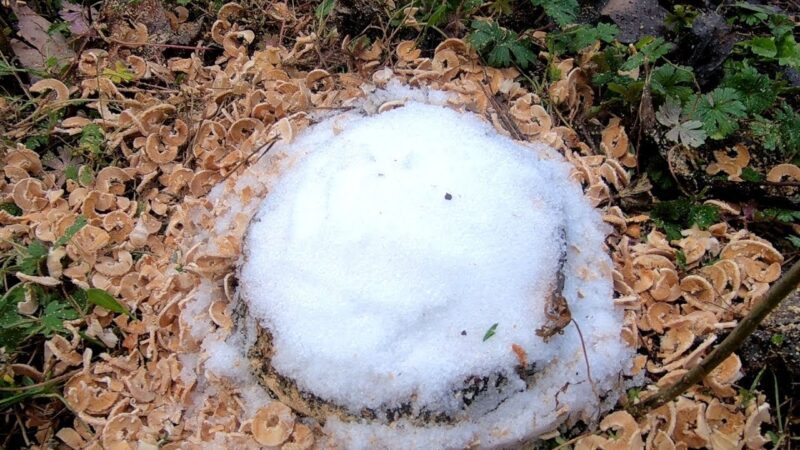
{"points": [[710, 44], [636, 18]]}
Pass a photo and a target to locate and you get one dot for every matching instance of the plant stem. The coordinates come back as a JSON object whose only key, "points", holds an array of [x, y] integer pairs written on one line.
{"points": [[783, 287]]}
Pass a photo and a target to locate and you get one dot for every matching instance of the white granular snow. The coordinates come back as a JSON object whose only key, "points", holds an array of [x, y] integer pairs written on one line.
{"points": [[390, 245]]}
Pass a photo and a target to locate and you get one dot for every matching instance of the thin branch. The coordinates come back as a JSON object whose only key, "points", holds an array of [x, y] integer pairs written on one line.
{"points": [[43, 383], [783, 287]]}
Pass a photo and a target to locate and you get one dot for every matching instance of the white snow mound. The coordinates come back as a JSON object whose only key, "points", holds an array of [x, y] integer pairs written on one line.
{"points": [[388, 248]]}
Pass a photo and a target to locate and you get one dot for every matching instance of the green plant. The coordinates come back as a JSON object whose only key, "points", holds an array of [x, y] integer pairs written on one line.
{"points": [[562, 12], [675, 215], [672, 81], [501, 46], [779, 134], [719, 111], [575, 38], [649, 50]]}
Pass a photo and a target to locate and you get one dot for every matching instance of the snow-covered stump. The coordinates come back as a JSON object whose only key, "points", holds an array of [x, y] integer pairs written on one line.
{"points": [[412, 275]]}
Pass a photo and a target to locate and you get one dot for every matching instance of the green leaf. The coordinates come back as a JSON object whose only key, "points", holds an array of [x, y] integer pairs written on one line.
{"points": [[676, 215], [577, 37], [481, 35], [776, 340], [92, 138], [788, 50], [756, 91], [765, 131], [11, 208], [54, 315], [748, 174], [682, 16], [779, 214], [324, 9], [650, 50], [85, 175], [14, 328], [779, 134], [58, 27], [704, 216], [671, 81], [32, 258], [794, 239], [752, 14], [80, 222], [563, 12], [629, 90], [719, 110], [761, 46], [500, 56], [71, 172], [774, 438], [102, 298], [119, 73], [490, 332], [502, 47]]}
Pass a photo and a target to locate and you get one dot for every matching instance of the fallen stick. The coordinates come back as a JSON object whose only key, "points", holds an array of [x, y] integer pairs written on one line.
{"points": [[783, 287]]}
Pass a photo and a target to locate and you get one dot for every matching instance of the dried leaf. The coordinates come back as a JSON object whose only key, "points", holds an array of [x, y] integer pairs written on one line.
{"points": [[39, 50]]}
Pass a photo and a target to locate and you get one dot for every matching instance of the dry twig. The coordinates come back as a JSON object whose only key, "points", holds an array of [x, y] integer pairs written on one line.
{"points": [[783, 287]]}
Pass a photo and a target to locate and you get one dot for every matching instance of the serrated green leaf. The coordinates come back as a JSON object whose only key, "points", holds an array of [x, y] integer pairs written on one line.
{"points": [[675, 215], [719, 110], [30, 260], [54, 315], [650, 50], [501, 46], [563, 12], [788, 50], [757, 91], [500, 56], [671, 81], [761, 46], [704, 215], [91, 139], [780, 214], [577, 37], [71, 172], [779, 133], [103, 299]]}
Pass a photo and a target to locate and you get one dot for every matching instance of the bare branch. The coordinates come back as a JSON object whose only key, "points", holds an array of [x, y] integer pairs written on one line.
{"points": [[783, 287]]}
